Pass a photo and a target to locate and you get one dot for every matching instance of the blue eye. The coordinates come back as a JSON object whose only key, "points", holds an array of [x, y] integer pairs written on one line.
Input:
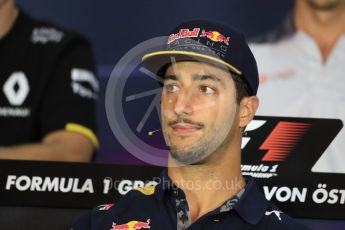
{"points": [[207, 90]]}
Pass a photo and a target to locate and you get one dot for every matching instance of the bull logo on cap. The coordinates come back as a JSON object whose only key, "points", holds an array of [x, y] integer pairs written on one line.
{"points": [[215, 36]]}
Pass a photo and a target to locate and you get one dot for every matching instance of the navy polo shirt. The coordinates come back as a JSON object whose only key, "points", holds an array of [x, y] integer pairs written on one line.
{"points": [[164, 206]]}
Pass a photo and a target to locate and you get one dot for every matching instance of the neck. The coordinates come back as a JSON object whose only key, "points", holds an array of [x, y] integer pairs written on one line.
{"points": [[8, 15], [324, 26], [209, 184]]}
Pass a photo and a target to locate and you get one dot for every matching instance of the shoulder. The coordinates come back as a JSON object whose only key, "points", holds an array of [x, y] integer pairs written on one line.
{"points": [[254, 209], [41, 33], [141, 196], [275, 218], [131, 204]]}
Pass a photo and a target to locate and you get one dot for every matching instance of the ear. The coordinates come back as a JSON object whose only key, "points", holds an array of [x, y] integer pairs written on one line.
{"points": [[248, 107]]}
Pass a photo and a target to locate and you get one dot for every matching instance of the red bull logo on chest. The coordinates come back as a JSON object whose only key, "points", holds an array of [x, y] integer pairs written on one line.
{"points": [[132, 225]]}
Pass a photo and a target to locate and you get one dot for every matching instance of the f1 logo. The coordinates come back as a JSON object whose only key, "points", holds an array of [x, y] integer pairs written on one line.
{"points": [[283, 139], [280, 141], [253, 125]]}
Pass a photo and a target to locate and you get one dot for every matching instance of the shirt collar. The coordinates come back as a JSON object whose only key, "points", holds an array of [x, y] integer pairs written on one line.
{"points": [[165, 184], [253, 204]]}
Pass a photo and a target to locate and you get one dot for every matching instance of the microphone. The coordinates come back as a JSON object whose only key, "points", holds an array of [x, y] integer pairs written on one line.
{"points": [[150, 133]]}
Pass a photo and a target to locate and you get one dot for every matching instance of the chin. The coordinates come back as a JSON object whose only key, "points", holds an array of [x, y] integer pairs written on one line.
{"points": [[183, 142], [324, 4]]}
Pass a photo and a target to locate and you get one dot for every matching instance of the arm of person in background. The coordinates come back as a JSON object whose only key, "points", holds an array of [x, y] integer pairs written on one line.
{"points": [[66, 115], [56, 146]]}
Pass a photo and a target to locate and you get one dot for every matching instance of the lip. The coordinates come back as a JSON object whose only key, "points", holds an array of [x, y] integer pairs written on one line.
{"points": [[183, 129]]}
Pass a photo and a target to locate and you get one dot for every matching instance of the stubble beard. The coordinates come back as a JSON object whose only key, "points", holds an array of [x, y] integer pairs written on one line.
{"points": [[218, 136]]}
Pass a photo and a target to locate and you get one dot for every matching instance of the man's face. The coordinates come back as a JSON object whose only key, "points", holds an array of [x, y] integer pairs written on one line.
{"points": [[198, 110], [325, 5]]}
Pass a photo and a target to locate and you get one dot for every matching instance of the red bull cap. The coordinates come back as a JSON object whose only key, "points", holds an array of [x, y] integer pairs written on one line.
{"points": [[210, 42]]}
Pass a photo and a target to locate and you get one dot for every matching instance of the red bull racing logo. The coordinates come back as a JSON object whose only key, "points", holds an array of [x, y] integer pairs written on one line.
{"points": [[215, 36], [184, 33], [134, 224]]}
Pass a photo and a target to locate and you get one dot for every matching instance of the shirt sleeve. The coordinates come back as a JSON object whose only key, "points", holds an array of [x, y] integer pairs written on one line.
{"points": [[97, 218], [83, 223], [70, 98]]}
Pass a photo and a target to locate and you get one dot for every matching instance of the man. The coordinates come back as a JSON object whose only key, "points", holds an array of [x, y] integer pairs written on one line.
{"points": [[208, 98], [48, 90], [301, 66]]}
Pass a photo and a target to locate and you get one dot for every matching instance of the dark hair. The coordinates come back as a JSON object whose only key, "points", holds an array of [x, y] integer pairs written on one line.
{"points": [[242, 89]]}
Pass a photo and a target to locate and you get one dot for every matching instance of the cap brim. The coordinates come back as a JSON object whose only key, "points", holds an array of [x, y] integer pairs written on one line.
{"points": [[155, 61]]}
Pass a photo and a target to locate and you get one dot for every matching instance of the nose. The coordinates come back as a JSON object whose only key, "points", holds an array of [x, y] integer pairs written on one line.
{"points": [[183, 103]]}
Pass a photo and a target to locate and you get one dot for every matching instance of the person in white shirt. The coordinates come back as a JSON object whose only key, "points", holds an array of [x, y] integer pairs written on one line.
{"points": [[302, 70]]}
